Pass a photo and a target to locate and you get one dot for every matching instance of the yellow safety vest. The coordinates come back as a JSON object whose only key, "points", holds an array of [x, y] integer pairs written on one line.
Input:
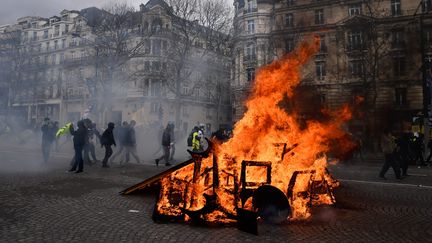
{"points": [[195, 141]]}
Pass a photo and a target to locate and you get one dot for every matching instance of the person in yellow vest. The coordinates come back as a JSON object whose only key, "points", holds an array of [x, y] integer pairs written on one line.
{"points": [[196, 140], [389, 148]]}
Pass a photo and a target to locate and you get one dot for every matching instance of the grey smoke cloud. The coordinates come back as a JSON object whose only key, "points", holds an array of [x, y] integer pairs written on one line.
{"points": [[11, 10]]}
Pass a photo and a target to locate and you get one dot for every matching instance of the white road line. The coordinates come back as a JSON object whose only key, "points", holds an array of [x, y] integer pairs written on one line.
{"points": [[386, 183]]}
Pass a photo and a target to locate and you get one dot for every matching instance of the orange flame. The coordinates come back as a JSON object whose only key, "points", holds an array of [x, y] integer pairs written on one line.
{"points": [[256, 136]]}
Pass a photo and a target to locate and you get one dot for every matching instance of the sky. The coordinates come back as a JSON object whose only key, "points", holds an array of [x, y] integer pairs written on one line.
{"points": [[11, 10]]}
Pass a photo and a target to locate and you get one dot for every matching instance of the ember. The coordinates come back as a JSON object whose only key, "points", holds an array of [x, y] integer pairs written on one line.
{"points": [[272, 168]]}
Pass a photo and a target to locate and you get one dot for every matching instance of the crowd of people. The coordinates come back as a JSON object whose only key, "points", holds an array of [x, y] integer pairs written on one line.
{"points": [[86, 135], [401, 150]]}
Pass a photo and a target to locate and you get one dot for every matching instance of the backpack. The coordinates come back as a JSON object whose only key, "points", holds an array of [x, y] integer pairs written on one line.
{"points": [[189, 139]]}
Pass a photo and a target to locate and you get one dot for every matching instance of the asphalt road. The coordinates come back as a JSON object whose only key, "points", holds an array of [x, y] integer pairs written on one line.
{"points": [[44, 203]]}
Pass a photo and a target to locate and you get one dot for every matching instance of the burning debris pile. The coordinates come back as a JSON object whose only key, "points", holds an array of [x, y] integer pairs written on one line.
{"points": [[272, 168]]}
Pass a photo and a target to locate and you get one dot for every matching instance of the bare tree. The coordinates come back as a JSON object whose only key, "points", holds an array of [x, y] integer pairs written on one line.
{"points": [[13, 59], [115, 39], [368, 46], [202, 27]]}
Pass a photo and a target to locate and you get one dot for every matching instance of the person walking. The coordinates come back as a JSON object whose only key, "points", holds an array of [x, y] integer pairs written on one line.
{"points": [[79, 141], [403, 143], [389, 147], [417, 150], [121, 134], [166, 144], [197, 136], [130, 142], [172, 138], [47, 138], [107, 140]]}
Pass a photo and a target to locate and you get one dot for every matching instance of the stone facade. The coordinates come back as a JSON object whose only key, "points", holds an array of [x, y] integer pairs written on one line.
{"points": [[61, 71], [368, 48]]}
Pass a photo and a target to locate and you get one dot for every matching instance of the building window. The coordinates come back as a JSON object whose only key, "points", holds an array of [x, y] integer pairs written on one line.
{"points": [[398, 66], [47, 46], [289, 20], [290, 2], [320, 70], [66, 28], [55, 44], [63, 43], [147, 46], [250, 52], [289, 45], [398, 38], [355, 68], [251, 6], [156, 47], [155, 87], [250, 74], [251, 26], [323, 46], [57, 30], [395, 7], [45, 35], [156, 66], [73, 42], [426, 5], [401, 96], [146, 66], [154, 107], [354, 9], [319, 16], [34, 36], [164, 45], [355, 40]]}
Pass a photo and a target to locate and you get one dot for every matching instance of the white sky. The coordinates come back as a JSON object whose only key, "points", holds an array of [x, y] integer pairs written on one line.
{"points": [[11, 10]]}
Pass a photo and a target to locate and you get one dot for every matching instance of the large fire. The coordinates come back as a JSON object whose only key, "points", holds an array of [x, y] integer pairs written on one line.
{"points": [[269, 149]]}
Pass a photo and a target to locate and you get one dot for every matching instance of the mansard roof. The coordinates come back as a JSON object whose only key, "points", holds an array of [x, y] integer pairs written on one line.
{"points": [[152, 3]]}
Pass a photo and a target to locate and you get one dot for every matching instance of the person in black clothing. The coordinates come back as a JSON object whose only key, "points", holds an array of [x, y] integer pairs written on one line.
{"points": [[403, 143], [130, 142], [166, 144], [89, 148], [47, 138], [417, 149], [79, 140], [107, 139], [389, 148]]}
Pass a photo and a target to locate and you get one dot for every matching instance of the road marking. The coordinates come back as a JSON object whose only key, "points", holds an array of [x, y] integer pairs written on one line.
{"points": [[386, 183]]}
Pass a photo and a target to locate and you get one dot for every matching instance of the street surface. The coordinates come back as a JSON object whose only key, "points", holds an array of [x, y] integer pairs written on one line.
{"points": [[44, 203]]}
